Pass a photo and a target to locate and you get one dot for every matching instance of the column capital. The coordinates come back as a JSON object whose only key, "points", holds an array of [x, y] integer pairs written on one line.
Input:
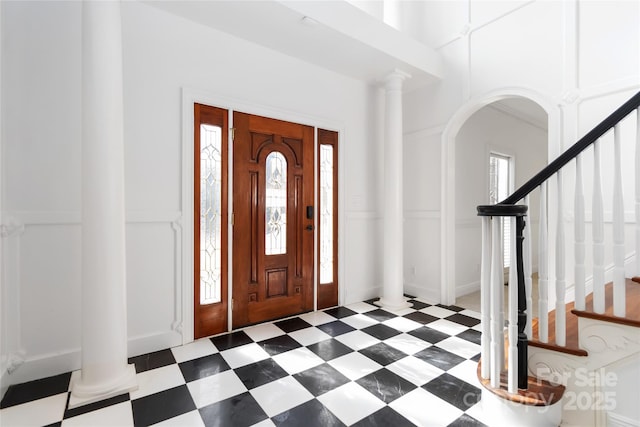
{"points": [[393, 80]]}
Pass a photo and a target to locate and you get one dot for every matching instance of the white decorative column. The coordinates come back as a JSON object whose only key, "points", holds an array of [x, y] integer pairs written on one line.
{"points": [[105, 372], [393, 290]]}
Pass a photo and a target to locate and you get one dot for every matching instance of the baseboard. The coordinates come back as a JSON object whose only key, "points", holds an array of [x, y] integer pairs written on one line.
{"points": [[469, 288], [617, 420], [70, 360], [362, 295], [427, 295]]}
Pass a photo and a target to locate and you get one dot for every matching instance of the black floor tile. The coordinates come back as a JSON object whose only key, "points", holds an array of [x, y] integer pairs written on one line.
{"points": [[237, 411], [203, 367], [33, 390], [321, 379], [380, 315], [451, 389], [329, 349], [451, 307], [439, 357], [260, 373], [380, 331], [234, 339], [466, 421], [293, 324], [311, 413], [340, 312], [385, 417], [420, 317], [335, 328], [58, 424], [162, 406], [383, 353], [157, 359], [68, 413], [279, 344], [372, 301], [418, 305], [471, 335], [386, 385], [463, 320], [430, 335], [476, 358]]}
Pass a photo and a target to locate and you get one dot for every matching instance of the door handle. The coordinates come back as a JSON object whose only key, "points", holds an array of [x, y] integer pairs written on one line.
{"points": [[309, 228]]}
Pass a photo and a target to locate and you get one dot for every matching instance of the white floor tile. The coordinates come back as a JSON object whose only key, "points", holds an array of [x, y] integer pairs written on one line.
{"points": [[437, 311], [215, 388], [407, 343], [39, 412], [361, 307], [119, 415], [309, 336], [412, 406], [297, 360], [478, 327], [460, 347], [400, 311], [415, 370], [446, 326], [355, 365], [467, 371], [357, 340], [280, 395], [359, 321], [155, 380], [194, 350], [317, 318], [263, 332], [191, 419], [244, 355], [402, 324], [351, 402], [477, 411]]}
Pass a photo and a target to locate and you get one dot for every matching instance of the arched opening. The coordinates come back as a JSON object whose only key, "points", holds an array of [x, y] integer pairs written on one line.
{"points": [[498, 149], [517, 125]]}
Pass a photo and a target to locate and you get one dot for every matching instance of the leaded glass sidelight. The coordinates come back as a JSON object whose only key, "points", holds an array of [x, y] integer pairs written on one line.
{"points": [[326, 214], [210, 213], [276, 204]]}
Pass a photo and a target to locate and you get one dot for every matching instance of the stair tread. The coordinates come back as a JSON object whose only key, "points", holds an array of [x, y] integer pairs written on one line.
{"points": [[632, 317], [572, 345], [538, 393]]}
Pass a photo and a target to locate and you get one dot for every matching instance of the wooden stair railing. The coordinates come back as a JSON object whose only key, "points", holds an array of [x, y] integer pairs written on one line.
{"points": [[557, 328]]}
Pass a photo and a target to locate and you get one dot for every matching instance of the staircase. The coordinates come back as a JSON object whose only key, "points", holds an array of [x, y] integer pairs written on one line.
{"points": [[575, 364]]}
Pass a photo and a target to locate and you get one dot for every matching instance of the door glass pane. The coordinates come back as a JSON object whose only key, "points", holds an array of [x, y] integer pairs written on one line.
{"points": [[326, 214], [276, 204], [210, 209], [498, 191]]}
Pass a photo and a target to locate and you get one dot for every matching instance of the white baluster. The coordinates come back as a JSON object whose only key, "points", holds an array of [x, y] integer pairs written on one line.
{"points": [[637, 272], [579, 238], [512, 372], [543, 266], [485, 297], [560, 270], [526, 254], [497, 279], [618, 229], [598, 234]]}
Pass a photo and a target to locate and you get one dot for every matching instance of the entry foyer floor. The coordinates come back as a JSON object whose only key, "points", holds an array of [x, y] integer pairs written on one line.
{"points": [[357, 365]]}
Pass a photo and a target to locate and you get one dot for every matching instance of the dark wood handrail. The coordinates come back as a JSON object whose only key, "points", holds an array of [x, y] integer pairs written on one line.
{"points": [[574, 150]]}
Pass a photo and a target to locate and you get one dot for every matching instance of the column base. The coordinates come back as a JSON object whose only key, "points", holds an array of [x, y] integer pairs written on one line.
{"points": [[395, 304], [83, 395]]}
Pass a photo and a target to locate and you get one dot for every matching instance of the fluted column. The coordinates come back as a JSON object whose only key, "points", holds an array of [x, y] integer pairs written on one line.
{"points": [[393, 292], [105, 372]]}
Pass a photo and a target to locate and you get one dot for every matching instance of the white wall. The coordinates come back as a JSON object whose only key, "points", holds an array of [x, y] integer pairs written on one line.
{"points": [[490, 130], [41, 148], [580, 65]]}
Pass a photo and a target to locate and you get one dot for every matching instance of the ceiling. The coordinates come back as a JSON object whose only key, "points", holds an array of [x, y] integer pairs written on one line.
{"points": [[331, 34], [523, 109]]}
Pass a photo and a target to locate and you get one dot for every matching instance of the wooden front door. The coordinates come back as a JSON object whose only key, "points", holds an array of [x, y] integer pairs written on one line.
{"points": [[273, 192]]}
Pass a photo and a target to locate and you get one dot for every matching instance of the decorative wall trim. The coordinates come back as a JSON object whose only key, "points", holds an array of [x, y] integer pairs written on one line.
{"points": [[11, 229], [364, 215], [31, 218], [467, 288], [176, 226], [617, 420], [422, 214], [430, 131]]}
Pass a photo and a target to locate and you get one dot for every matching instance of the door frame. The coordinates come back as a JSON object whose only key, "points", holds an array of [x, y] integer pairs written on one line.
{"points": [[183, 304]]}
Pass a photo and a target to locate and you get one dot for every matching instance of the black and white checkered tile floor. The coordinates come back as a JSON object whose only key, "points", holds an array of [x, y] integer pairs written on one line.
{"points": [[355, 365]]}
